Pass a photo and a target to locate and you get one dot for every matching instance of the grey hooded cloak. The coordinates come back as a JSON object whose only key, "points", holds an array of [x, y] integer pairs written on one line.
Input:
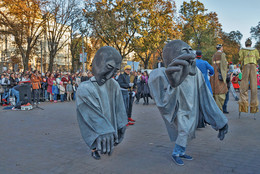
{"points": [[100, 109], [183, 106]]}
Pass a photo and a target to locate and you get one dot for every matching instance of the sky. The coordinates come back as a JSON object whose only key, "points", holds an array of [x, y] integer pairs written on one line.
{"points": [[233, 14]]}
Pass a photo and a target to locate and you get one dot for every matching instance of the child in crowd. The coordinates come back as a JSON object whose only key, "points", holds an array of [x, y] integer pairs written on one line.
{"points": [[55, 91], [62, 91], [69, 91], [74, 86]]}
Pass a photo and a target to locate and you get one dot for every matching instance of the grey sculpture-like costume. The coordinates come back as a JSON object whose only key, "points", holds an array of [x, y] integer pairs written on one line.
{"points": [[182, 106], [100, 109], [182, 96], [101, 112]]}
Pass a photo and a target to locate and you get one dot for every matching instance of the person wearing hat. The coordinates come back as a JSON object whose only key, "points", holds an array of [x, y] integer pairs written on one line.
{"points": [[125, 85], [205, 68], [248, 57], [218, 82]]}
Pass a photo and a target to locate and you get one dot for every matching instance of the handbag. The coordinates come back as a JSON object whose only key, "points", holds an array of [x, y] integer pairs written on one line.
{"points": [[219, 75], [220, 78]]}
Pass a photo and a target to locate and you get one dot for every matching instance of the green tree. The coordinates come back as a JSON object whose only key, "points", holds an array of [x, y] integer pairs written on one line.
{"points": [[231, 43], [59, 15], [114, 22], [199, 26], [255, 33], [23, 20], [157, 26]]}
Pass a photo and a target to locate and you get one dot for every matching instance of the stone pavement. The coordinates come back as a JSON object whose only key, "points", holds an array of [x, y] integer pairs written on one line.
{"points": [[49, 142]]}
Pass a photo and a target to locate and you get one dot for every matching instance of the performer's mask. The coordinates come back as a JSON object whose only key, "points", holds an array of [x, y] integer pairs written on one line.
{"points": [[178, 49], [105, 64]]}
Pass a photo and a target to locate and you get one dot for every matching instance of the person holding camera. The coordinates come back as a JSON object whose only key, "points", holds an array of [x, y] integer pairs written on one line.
{"points": [[125, 86]]}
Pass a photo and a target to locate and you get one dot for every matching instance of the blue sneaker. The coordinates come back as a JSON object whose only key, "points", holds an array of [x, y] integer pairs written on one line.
{"points": [[177, 160], [187, 157]]}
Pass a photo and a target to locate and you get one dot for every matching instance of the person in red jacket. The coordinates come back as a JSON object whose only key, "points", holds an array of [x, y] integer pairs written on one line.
{"points": [[50, 83]]}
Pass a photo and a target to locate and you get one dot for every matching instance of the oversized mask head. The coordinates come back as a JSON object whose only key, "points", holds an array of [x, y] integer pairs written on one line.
{"points": [[105, 64], [179, 59]]}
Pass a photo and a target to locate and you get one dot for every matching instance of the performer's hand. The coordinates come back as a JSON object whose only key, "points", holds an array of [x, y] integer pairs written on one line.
{"points": [[222, 132], [105, 143], [179, 68]]}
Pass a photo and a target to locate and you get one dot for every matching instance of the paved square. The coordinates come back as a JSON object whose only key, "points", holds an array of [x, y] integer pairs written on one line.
{"points": [[49, 142]]}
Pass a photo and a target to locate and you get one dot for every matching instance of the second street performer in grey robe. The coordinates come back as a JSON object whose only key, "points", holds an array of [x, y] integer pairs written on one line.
{"points": [[183, 98], [101, 112]]}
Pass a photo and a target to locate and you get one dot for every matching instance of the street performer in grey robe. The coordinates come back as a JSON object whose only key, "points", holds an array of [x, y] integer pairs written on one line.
{"points": [[101, 112], [183, 98]]}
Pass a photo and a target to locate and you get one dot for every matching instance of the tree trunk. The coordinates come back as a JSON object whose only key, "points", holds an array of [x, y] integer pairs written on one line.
{"points": [[51, 62], [25, 63]]}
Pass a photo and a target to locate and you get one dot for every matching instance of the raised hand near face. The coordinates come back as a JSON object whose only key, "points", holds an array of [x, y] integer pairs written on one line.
{"points": [[179, 68]]}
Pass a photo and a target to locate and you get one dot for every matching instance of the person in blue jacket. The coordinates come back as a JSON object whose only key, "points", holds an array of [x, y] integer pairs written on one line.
{"points": [[205, 68]]}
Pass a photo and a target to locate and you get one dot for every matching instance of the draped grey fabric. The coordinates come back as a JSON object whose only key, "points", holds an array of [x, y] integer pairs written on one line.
{"points": [[182, 106], [100, 109]]}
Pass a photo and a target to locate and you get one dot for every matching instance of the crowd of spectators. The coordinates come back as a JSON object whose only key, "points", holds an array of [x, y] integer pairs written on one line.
{"points": [[53, 87], [57, 86]]}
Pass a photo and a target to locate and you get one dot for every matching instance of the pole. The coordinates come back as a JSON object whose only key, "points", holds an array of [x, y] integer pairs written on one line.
{"points": [[41, 57], [83, 54]]}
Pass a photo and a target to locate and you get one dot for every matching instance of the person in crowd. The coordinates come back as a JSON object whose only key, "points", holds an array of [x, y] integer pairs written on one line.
{"points": [[146, 91], [16, 78], [159, 64], [236, 69], [125, 86], [50, 80], [62, 91], [230, 88], [26, 78], [131, 96], [138, 87], [117, 75], [78, 79], [90, 74], [6, 85], [84, 77], [75, 87], [205, 68], [235, 80], [258, 81], [218, 80], [72, 78], [65, 79], [69, 90], [45, 86], [36, 85], [55, 91], [16, 93], [58, 79], [248, 57]]}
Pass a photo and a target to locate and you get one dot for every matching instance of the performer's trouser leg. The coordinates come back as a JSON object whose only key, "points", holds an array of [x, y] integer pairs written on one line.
{"points": [[243, 102], [224, 107], [126, 100], [178, 150], [253, 87], [220, 99], [249, 74], [131, 101]]}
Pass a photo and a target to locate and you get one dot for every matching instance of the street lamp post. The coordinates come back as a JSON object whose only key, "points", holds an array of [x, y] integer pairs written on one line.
{"points": [[83, 54], [41, 57]]}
